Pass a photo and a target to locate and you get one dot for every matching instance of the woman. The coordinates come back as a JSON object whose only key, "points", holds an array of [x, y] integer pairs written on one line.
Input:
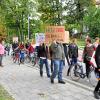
{"points": [[73, 54], [97, 59], [43, 55], [87, 54], [2, 50]]}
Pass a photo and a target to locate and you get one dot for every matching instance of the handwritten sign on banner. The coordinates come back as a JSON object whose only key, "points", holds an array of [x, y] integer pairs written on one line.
{"points": [[56, 33], [39, 38]]}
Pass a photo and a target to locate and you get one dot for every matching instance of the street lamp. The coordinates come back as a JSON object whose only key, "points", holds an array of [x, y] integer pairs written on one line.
{"points": [[29, 26]]}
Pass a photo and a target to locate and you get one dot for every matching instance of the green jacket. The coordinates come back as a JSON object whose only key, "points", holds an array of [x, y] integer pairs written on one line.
{"points": [[57, 51]]}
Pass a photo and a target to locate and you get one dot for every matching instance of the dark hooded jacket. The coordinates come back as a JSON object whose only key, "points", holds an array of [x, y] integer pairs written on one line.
{"points": [[97, 56]]}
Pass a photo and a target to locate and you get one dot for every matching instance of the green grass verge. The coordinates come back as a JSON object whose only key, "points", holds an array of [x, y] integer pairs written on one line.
{"points": [[4, 95], [81, 43]]}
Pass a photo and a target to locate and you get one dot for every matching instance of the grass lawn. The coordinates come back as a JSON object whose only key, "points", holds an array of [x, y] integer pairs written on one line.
{"points": [[4, 95], [81, 43]]}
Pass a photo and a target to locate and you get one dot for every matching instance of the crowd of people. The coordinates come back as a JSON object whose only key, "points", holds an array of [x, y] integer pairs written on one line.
{"points": [[59, 53]]}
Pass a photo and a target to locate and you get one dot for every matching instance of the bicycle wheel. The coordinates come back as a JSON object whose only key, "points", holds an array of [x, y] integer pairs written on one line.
{"points": [[92, 78], [14, 58], [74, 73], [33, 61], [27, 59]]}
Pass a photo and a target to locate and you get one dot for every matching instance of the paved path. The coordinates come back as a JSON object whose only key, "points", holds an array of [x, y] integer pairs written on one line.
{"points": [[81, 81], [24, 83]]}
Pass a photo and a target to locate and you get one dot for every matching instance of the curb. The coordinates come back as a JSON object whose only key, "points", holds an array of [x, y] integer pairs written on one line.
{"points": [[71, 82], [79, 85]]}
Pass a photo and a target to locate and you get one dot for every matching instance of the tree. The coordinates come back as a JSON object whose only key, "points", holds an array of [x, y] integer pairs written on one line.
{"points": [[76, 10], [70, 12], [92, 21], [51, 11], [16, 13]]}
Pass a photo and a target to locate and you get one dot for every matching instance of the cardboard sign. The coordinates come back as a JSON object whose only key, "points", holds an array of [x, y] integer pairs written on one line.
{"points": [[15, 39], [39, 38], [66, 37], [56, 33]]}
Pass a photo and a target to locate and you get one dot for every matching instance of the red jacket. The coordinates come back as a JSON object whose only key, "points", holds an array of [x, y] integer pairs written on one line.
{"points": [[31, 49], [21, 46]]}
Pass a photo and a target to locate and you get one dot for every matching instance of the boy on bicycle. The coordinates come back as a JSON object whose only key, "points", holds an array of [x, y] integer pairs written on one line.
{"points": [[22, 52]]}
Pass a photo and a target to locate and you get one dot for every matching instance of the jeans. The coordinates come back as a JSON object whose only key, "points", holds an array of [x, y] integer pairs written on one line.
{"points": [[22, 57], [44, 61], [61, 66], [73, 61], [58, 67], [97, 88], [1, 57], [52, 66], [87, 68]]}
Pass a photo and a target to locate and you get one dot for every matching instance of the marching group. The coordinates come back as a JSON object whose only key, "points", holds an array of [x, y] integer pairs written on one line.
{"points": [[57, 52]]}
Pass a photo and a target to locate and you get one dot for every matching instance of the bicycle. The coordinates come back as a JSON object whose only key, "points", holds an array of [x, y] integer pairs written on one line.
{"points": [[77, 73], [34, 59], [16, 57]]}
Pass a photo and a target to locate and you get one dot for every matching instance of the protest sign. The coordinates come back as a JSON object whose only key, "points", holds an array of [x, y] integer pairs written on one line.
{"points": [[56, 33], [39, 38]]}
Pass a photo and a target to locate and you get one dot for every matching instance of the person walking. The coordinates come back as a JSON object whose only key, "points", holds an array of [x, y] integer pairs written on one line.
{"points": [[58, 61], [22, 52], [31, 50], [7, 48], [97, 70], [73, 54], [15, 45], [43, 55], [87, 55], [50, 51], [66, 49], [2, 51]]}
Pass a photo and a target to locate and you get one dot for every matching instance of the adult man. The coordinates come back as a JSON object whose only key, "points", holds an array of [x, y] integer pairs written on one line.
{"points": [[15, 45], [66, 49], [58, 61]]}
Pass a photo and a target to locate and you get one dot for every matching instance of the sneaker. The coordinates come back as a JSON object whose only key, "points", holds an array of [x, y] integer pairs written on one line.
{"points": [[52, 80], [41, 74], [62, 82], [67, 74], [99, 92], [96, 95], [1, 66]]}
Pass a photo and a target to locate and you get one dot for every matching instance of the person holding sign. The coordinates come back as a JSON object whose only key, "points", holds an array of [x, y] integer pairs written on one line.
{"points": [[58, 58]]}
